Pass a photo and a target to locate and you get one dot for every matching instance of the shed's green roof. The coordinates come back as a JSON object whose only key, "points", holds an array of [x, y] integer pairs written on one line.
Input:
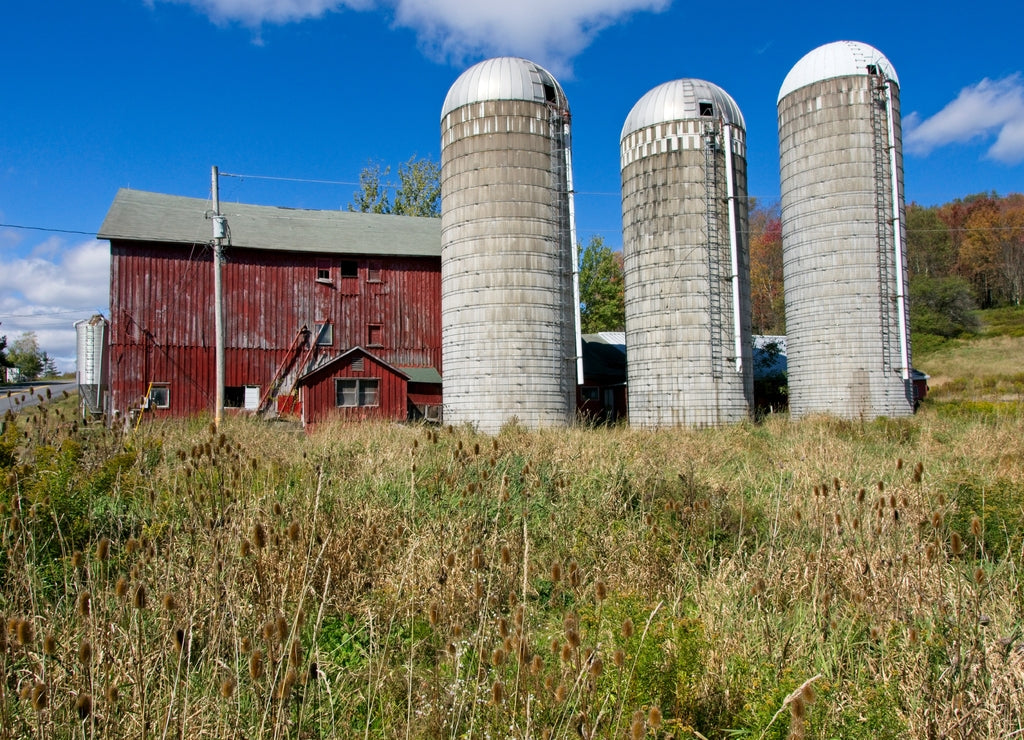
{"points": [[422, 374], [136, 215]]}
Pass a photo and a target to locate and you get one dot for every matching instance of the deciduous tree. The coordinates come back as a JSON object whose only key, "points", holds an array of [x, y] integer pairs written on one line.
{"points": [[767, 297], [26, 357], [418, 192], [602, 288]]}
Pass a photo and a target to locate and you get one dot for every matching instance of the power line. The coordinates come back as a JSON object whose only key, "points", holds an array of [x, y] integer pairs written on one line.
{"points": [[45, 228], [288, 179]]}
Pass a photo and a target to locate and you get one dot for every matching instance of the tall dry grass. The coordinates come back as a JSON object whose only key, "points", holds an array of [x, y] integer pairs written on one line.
{"points": [[814, 579]]}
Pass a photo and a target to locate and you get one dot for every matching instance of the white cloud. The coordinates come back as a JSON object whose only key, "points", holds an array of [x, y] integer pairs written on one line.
{"points": [[52, 288], [979, 111], [550, 33]]}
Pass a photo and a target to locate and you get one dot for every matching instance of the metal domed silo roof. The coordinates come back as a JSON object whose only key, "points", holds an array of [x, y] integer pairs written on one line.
{"points": [[680, 100], [504, 78], [838, 59]]}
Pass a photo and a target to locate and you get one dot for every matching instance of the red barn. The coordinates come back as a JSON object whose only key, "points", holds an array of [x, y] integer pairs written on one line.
{"points": [[308, 297]]}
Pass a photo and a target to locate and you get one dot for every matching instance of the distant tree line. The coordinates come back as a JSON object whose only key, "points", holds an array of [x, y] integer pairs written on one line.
{"points": [[962, 255]]}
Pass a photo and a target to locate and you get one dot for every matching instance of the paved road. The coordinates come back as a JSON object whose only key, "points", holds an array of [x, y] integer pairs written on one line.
{"points": [[18, 396]]}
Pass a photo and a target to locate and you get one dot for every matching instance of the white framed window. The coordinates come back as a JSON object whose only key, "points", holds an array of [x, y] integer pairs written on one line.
{"points": [[159, 396], [325, 334], [356, 392]]}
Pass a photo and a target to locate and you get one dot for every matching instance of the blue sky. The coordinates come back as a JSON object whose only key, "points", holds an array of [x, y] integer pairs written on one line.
{"points": [[150, 94]]}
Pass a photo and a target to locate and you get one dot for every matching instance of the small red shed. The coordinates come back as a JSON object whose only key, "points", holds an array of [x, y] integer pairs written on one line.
{"points": [[358, 385]]}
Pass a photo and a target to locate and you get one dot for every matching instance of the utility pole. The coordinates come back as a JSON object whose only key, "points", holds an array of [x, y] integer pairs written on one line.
{"points": [[218, 300]]}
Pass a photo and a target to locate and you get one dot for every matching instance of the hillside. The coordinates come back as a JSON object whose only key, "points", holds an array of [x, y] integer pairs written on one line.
{"points": [[986, 367]]}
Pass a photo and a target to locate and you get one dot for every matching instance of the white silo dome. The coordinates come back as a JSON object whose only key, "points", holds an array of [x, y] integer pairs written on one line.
{"points": [[504, 78], [838, 59], [682, 100]]}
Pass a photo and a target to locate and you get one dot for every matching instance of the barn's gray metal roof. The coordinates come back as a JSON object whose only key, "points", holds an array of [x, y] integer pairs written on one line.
{"points": [[680, 100], [503, 78], [136, 215]]}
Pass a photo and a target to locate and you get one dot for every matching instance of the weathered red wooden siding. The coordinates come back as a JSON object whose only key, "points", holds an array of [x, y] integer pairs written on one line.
{"points": [[162, 315], [319, 400]]}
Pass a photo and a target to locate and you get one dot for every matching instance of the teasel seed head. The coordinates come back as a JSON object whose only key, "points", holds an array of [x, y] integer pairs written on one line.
{"points": [[497, 657], [536, 665], [566, 655], [294, 531], [976, 526], [497, 693], [85, 653], [636, 727], [556, 572], [83, 705], [77, 559], [227, 687], [861, 493], [503, 626], [560, 693], [39, 696], [169, 602], [49, 644], [139, 598], [259, 536], [433, 615], [600, 590], [256, 665], [121, 587], [979, 575], [956, 545], [797, 707], [627, 628], [506, 555], [84, 604], [936, 519], [284, 689], [24, 632], [929, 552], [596, 667], [654, 718], [103, 549]]}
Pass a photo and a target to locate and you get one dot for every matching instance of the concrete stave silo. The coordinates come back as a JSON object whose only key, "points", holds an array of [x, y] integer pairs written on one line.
{"points": [[510, 339], [686, 259], [843, 233]]}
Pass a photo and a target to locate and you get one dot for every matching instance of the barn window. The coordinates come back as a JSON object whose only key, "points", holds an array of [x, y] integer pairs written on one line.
{"points": [[374, 335], [325, 334], [323, 271], [159, 396], [242, 397], [374, 273], [349, 269], [355, 392]]}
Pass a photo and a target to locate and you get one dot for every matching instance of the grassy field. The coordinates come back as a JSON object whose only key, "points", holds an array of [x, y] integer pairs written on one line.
{"points": [[820, 579]]}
